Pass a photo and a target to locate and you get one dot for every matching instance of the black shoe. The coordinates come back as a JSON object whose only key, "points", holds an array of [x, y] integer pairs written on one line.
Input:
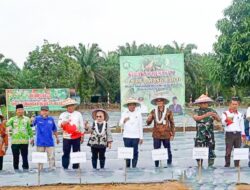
{"points": [[128, 163], [157, 164], [227, 165], [169, 162], [134, 163]]}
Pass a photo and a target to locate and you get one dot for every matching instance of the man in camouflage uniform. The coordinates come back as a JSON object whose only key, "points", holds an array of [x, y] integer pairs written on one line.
{"points": [[204, 117]]}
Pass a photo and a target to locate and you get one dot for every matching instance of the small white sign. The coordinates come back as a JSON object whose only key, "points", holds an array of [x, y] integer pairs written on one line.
{"points": [[200, 153], [241, 153], [125, 153], [78, 157], [159, 154], [39, 157]]}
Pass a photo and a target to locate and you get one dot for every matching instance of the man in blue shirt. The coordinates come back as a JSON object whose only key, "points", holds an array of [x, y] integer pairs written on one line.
{"points": [[45, 128]]}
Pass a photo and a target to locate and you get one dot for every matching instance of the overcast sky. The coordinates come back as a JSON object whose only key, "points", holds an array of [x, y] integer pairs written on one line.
{"points": [[110, 23]]}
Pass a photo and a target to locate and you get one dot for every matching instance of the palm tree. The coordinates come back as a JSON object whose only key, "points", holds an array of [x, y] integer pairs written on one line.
{"points": [[191, 64], [91, 62], [143, 49], [128, 49]]}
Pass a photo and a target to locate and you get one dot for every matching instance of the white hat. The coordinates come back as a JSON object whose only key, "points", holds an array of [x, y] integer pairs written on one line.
{"points": [[131, 101], [68, 102], [106, 116], [203, 99], [153, 101]]}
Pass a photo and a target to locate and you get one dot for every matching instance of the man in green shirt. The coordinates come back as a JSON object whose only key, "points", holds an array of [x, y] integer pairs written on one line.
{"points": [[21, 133]]}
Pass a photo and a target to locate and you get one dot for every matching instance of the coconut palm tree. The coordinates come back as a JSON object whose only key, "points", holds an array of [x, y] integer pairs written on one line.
{"points": [[142, 49], [91, 61]]}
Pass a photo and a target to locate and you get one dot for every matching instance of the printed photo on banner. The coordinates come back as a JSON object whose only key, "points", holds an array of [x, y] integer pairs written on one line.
{"points": [[142, 77]]}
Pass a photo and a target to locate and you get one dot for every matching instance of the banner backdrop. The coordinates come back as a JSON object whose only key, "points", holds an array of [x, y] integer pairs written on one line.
{"points": [[33, 99], [143, 77]]}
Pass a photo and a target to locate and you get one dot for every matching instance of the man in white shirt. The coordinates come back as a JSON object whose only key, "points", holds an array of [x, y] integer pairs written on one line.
{"points": [[233, 122], [131, 121], [71, 122]]}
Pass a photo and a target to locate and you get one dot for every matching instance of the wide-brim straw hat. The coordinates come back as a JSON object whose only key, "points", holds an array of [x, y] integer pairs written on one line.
{"points": [[106, 115], [203, 99], [131, 101], [153, 101], [68, 102]]}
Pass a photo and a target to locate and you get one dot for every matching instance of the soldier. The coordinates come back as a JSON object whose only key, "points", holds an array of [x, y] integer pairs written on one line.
{"points": [[204, 117]]}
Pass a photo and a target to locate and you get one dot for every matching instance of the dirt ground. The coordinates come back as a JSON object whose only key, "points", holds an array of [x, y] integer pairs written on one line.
{"points": [[152, 186], [243, 187], [155, 186]]}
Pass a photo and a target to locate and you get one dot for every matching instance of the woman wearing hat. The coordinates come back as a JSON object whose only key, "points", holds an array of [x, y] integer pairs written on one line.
{"points": [[100, 137], [164, 128], [71, 122], [204, 117], [131, 120], [3, 139]]}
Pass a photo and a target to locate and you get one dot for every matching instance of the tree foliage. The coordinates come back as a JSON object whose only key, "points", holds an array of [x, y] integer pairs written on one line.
{"points": [[9, 73], [50, 66], [233, 45], [89, 70], [91, 73]]}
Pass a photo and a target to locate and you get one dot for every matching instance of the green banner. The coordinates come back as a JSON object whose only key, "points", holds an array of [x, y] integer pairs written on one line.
{"points": [[33, 99], [143, 77]]}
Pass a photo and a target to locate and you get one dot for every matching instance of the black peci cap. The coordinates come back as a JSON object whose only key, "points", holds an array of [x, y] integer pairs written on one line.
{"points": [[19, 106]]}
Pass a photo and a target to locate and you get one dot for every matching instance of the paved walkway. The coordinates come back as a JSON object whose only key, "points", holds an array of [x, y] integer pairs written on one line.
{"points": [[184, 168]]}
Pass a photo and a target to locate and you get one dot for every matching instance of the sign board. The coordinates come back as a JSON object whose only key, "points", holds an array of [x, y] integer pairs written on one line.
{"points": [[78, 157], [200, 153], [33, 99], [125, 153], [144, 77], [39, 157], [159, 154], [241, 153]]}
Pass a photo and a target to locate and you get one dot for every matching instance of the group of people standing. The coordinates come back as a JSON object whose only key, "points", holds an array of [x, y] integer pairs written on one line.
{"points": [[163, 130], [72, 124], [232, 121]]}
